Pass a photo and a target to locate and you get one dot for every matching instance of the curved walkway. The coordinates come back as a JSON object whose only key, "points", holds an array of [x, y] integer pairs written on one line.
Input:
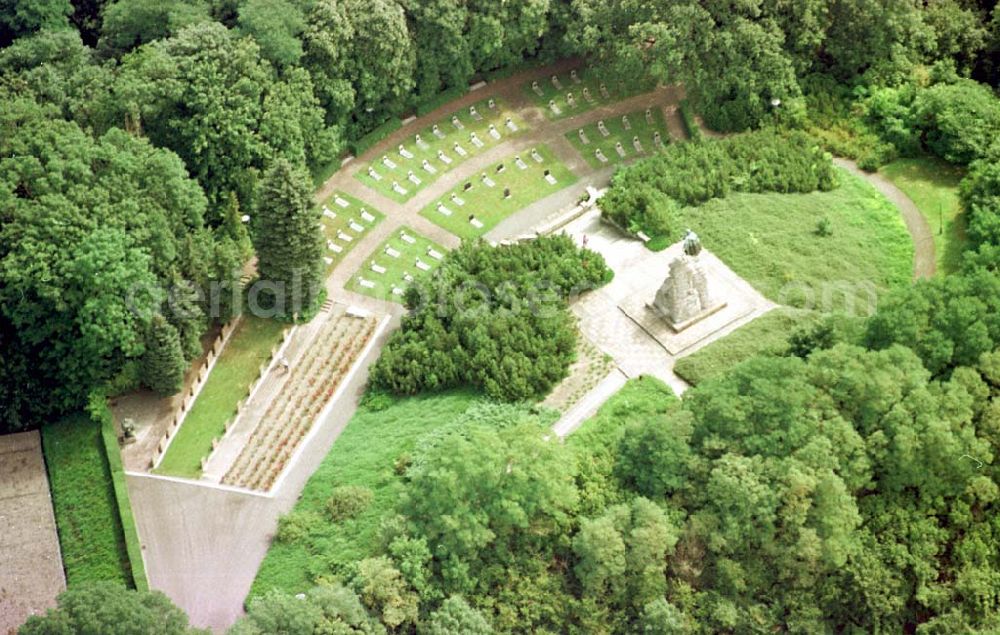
{"points": [[924, 260], [203, 544]]}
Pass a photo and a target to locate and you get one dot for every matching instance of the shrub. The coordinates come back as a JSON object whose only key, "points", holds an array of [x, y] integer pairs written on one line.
{"points": [[360, 146], [433, 103], [646, 196], [297, 525], [347, 501], [959, 121], [492, 317], [824, 227], [690, 124]]}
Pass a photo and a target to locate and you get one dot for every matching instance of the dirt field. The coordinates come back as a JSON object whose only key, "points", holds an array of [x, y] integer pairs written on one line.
{"points": [[31, 573]]}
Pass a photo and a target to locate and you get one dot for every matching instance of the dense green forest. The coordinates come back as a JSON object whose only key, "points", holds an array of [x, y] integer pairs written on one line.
{"points": [[135, 133], [844, 482]]}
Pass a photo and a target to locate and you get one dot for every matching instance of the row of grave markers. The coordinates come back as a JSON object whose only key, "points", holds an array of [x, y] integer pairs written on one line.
{"points": [[442, 156], [489, 182], [352, 224], [570, 98], [395, 253]]}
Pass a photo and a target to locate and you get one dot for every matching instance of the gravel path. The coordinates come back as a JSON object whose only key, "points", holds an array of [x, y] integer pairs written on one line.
{"points": [[924, 261]]}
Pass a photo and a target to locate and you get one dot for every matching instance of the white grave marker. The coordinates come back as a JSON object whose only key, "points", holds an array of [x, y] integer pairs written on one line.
{"points": [[443, 210], [407, 238]]}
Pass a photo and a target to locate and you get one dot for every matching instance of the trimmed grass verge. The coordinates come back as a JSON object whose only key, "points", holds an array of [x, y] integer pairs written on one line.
{"points": [[238, 365], [487, 204], [83, 497], [932, 184]]}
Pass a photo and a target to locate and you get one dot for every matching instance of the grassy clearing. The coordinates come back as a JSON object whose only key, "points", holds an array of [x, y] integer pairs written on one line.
{"points": [[340, 222], [396, 267], [767, 335], [365, 455], [932, 184], [476, 199], [239, 365], [771, 240], [587, 81], [453, 136], [90, 531], [639, 127]]}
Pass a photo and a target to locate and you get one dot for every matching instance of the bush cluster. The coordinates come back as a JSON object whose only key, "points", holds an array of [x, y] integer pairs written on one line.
{"points": [[647, 196], [492, 317]]}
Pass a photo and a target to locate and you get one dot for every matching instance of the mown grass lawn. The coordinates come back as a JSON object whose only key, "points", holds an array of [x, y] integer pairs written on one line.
{"points": [[396, 266], [932, 184], [238, 365], [341, 221], [453, 135], [771, 240], [638, 127], [487, 204], [365, 454], [90, 531], [589, 79]]}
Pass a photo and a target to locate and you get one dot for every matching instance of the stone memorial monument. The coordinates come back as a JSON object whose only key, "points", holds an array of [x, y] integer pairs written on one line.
{"points": [[684, 298]]}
